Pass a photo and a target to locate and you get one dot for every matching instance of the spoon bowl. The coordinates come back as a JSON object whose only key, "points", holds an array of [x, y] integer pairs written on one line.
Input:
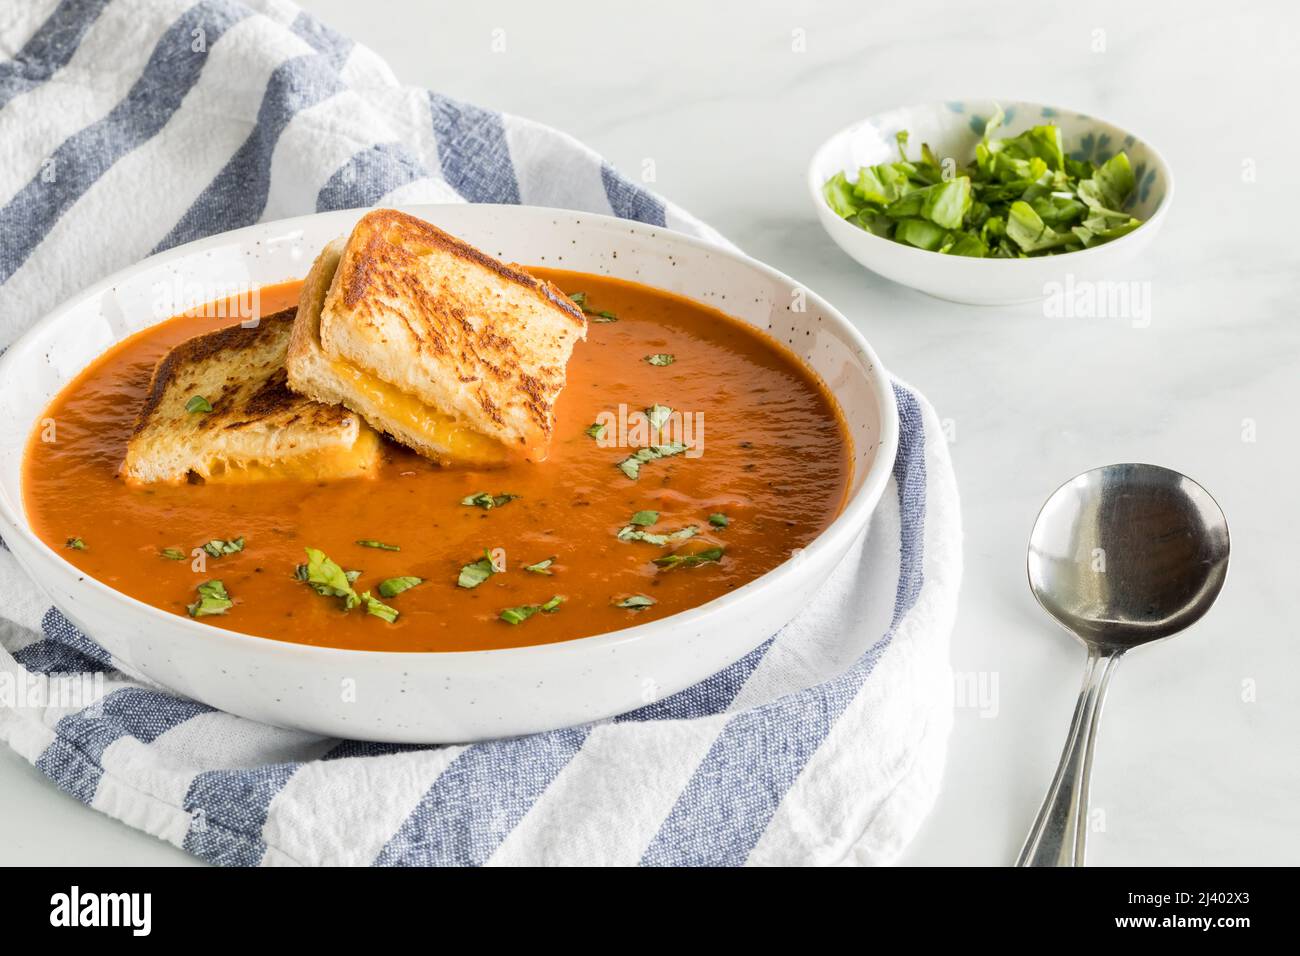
{"points": [[1119, 556], [1128, 554]]}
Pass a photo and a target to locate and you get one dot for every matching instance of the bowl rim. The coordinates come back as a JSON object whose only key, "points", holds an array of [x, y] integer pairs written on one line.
{"points": [[851, 520], [815, 187]]}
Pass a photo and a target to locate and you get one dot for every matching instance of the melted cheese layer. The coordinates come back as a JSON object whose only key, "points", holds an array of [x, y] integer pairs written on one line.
{"points": [[462, 445], [320, 464]]}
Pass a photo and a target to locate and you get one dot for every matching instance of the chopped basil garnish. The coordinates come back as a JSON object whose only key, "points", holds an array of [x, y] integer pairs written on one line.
{"points": [[486, 501], [198, 404], [631, 466], [661, 358], [378, 608], [391, 587], [517, 615], [580, 300], [719, 520], [541, 567], [372, 543], [218, 548], [631, 533], [644, 518], [658, 415], [76, 544], [689, 560], [596, 431], [328, 579], [636, 602], [172, 554], [213, 599], [472, 575]]}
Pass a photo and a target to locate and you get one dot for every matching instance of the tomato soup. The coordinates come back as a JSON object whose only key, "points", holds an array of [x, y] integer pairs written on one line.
{"points": [[765, 468]]}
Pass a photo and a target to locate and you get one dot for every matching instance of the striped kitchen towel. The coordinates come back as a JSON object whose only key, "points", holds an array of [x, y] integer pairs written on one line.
{"points": [[129, 126]]}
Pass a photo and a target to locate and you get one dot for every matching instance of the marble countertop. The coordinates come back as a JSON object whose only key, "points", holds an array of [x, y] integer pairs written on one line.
{"points": [[1196, 762]]}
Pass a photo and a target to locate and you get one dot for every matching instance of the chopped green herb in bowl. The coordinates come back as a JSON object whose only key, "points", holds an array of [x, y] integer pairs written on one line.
{"points": [[1019, 196], [1023, 201]]}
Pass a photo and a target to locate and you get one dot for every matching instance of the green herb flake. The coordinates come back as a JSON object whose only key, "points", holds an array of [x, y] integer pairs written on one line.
{"points": [[661, 358], [637, 602], [76, 544], [541, 567], [371, 543], [378, 608], [391, 587], [327, 579], [218, 548], [198, 405], [172, 554], [476, 572], [580, 300], [631, 533], [689, 560], [631, 466], [658, 415], [1020, 196], [719, 520], [517, 615], [596, 431], [644, 518], [213, 599], [486, 501]]}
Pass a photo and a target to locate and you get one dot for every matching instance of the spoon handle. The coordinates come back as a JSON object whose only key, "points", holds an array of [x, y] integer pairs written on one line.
{"points": [[1058, 834]]}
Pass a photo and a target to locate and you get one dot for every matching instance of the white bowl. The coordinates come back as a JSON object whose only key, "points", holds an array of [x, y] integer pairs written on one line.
{"points": [[952, 129], [462, 696]]}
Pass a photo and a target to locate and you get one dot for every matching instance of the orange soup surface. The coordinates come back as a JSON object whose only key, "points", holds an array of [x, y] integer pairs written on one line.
{"points": [[767, 451]]}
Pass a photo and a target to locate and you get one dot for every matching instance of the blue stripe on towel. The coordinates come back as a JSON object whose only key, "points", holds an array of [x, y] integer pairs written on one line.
{"points": [[171, 72], [64, 649], [737, 788], [630, 201], [713, 695], [507, 777], [323, 39], [239, 193], [345, 749], [369, 176], [479, 798], [74, 760], [473, 151], [228, 810], [49, 49]]}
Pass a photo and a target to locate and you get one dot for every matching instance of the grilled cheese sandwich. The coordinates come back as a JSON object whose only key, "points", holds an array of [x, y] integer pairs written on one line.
{"points": [[449, 351], [219, 408]]}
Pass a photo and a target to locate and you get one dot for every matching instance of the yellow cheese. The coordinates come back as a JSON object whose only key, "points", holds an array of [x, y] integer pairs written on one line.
{"points": [[319, 464], [464, 445]]}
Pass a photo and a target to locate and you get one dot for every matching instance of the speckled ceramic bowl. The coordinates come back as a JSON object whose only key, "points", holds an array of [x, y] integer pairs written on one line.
{"points": [[953, 128], [443, 697]]}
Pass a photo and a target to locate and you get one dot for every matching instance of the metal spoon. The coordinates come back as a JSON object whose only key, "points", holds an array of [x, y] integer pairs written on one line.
{"points": [[1120, 556]]}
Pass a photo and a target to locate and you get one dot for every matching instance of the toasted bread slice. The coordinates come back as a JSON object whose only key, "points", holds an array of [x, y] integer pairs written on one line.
{"points": [[449, 351], [257, 429]]}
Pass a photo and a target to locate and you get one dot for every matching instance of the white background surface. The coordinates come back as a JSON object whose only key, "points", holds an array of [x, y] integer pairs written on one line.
{"points": [[1187, 771]]}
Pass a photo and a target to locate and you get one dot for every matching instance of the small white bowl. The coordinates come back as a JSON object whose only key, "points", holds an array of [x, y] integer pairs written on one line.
{"points": [[952, 129], [449, 696]]}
